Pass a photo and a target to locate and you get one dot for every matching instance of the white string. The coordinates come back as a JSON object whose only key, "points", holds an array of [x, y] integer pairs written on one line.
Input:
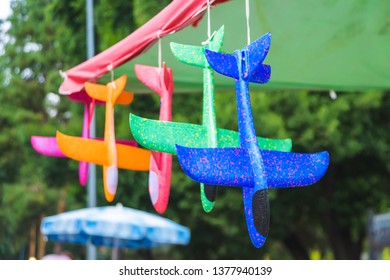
{"points": [[159, 49], [209, 35], [111, 69], [247, 21], [208, 39], [208, 19]]}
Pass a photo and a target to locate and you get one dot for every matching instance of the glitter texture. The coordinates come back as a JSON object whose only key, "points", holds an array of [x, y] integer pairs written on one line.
{"points": [[247, 166], [193, 135]]}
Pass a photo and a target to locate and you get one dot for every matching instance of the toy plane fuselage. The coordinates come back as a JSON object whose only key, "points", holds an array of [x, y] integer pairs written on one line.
{"points": [[159, 80]]}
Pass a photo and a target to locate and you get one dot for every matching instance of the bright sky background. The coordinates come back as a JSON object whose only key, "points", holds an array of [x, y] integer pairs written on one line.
{"points": [[4, 8]]}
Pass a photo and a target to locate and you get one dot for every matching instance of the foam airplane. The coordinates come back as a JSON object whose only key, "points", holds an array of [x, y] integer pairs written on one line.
{"points": [[192, 135], [48, 146], [248, 166], [159, 80], [108, 153]]}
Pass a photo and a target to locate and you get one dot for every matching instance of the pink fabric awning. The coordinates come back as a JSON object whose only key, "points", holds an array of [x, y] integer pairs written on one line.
{"points": [[174, 17]]}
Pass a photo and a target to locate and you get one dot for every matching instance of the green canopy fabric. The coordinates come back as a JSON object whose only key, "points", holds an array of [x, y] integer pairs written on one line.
{"points": [[317, 45]]}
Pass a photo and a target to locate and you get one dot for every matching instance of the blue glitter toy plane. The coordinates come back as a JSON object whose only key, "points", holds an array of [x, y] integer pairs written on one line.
{"points": [[249, 167]]}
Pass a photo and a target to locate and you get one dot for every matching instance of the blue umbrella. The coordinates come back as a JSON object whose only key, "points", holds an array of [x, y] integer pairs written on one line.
{"points": [[114, 226]]}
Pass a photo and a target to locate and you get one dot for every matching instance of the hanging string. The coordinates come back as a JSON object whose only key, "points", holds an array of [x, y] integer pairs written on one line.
{"points": [[208, 19], [159, 49], [209, 35], [247, 21], [111, 69]]}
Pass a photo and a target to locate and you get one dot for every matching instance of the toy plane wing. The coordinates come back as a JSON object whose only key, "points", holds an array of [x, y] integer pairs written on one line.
{"points": [[95, 151], [46, 145], [162, 136], [232, 167]]}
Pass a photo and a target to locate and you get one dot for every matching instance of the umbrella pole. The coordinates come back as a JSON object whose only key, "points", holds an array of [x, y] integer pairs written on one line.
{"points": [[91, 186], [115, 249]]}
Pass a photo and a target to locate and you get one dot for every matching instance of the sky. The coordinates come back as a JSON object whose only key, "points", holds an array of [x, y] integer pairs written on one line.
{"points": [[4, 8]]}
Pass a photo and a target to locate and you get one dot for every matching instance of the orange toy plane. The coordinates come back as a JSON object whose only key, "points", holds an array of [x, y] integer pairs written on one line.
{"points": [[107, 153]]}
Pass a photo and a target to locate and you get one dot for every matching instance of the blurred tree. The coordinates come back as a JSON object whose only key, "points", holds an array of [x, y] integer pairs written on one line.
{"points": [[114, 20], [40, 33], [145, 10]]}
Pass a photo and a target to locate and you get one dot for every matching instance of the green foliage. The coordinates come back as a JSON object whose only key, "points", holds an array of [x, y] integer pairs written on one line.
{"points": [[37, 39], [114, 21], [145, 10]]}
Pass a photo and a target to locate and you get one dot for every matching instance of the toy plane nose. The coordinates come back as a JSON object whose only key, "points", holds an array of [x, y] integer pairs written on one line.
{"points": [[153, 186], [112, 179]]}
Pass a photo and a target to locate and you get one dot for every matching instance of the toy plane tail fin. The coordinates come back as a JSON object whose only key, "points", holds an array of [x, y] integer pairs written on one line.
{"points": [[119, 96], [255, 53], [151, 77], [257, 214], [194, 55]]}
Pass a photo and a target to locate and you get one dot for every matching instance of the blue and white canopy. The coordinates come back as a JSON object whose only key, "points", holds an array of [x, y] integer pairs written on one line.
{"points": [[114, 226]]}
